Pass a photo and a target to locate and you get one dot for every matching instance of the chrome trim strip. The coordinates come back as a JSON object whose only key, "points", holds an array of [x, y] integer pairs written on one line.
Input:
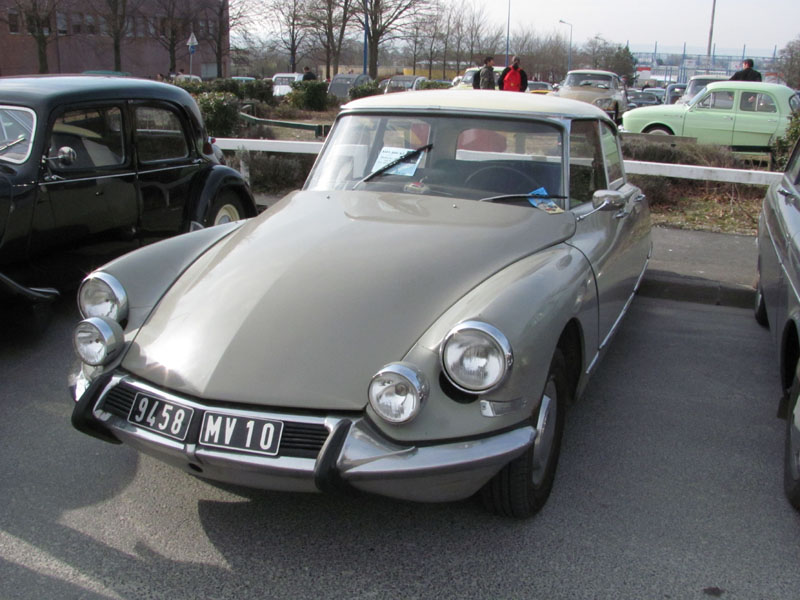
{"points": [[92, 178]]}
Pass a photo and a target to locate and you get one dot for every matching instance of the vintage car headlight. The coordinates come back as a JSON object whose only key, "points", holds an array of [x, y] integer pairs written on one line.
{"points": [[476, 356], [397, 392], [102, 295], [97, 340], [604, 103]]}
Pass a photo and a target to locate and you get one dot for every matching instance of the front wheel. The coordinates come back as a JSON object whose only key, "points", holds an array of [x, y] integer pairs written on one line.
{"points": [[226, 208], [791, 460], [522, 487]]}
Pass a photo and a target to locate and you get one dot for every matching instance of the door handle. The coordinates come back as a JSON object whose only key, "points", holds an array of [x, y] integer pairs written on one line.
{"points": [[639, 198]]}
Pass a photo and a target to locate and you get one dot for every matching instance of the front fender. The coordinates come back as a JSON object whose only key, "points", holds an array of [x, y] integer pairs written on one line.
{"points": [[146, 285], [532, 301], [207, 185]]}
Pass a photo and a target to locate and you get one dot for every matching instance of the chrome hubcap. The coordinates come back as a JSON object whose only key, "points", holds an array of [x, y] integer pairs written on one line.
{"points": [[226, 214], [545, 432]]}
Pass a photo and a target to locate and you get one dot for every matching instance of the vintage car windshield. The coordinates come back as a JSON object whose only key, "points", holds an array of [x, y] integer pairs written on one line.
{"points": [[588, 80], [466, 157], [16, 133]]}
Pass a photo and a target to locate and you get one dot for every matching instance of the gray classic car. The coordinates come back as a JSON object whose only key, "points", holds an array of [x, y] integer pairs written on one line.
{"points": [[413, 323], [778, 303]]}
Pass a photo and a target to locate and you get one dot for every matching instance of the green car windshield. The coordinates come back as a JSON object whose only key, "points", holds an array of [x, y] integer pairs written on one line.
{"points": [[16, 133], [453, 156]]}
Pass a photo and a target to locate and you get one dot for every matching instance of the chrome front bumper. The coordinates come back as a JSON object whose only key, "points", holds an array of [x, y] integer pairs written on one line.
{"points": [[355, 454]]}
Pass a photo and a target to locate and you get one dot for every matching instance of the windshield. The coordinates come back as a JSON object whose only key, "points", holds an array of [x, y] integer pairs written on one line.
{"points": [[456, 156], [283, 80], [16, 133], [588, 80]]}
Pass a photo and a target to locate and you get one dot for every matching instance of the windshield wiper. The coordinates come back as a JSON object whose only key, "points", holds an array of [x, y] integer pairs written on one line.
{"points": [[408, 155], [13, 143], [527, 197]]}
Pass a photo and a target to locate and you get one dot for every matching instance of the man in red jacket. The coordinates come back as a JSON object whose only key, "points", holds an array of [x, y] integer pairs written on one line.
{"points": [[513, 79]]}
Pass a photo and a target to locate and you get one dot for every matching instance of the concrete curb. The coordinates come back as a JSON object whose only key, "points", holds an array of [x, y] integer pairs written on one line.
{"points": [[669, 286]]}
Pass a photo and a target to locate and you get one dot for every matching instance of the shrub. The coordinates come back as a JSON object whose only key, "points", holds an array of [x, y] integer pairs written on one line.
{"points": [[276, 173], [193, 87], [309, 95], [259, 90], [783, 145], [366, 89], [220, 112], [434, 85], [227, 86]]}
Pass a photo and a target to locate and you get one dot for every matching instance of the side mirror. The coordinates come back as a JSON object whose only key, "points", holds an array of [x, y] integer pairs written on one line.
{"points": [[66, 156], [608, 200]]}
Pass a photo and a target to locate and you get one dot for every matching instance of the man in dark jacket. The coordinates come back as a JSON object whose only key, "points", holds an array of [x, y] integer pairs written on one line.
{"points": [[748, 73], [513, 79], [484, 79], [308, 75]]}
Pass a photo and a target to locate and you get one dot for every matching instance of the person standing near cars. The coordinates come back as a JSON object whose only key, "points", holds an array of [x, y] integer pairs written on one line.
{"points": [[748, 73], [308, 75], [485, 77], [513, 79]]}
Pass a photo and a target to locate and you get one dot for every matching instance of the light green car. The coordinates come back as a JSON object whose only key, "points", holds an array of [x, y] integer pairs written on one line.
{"points": [[742, 114]]}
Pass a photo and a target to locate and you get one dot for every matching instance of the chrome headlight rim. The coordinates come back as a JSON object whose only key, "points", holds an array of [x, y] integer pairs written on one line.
{"points": [[111, 335], [492, 333], [415, 379], [116, 289]]}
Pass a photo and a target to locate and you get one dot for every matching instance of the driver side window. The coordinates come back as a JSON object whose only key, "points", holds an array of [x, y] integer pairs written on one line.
{"points": [[586, 172]]}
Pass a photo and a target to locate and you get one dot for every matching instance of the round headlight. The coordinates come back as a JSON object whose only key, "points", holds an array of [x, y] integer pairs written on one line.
{"points": [[476, 356], [397, 393], [102, 295], [97, 340]]}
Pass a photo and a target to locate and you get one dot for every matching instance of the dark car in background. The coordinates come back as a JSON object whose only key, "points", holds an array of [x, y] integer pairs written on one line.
{"points": [[638, 98], [342, 83], [91, 167]]}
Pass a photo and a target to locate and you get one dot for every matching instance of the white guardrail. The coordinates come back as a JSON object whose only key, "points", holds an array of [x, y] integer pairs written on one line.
{"points": [[632, 167]]}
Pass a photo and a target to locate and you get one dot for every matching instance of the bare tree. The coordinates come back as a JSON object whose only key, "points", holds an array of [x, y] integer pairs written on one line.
{"points": [[329, 20], [290, 18], [789, 61], [38, 17], [386, 20], [116, 15], [218, 19], [172, 25]]}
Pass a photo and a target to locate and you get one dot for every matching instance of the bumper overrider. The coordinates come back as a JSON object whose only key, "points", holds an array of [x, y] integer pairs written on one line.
{"points": [[317, 452]]}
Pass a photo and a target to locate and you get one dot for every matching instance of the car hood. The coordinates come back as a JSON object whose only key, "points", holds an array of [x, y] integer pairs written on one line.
{"points": [[301, 306]]}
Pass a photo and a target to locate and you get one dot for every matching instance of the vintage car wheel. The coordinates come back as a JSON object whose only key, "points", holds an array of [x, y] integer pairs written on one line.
{"points": [[510, 184], [760, 307], [791, 468], [226, 208], [658, 130], [522, 487]]}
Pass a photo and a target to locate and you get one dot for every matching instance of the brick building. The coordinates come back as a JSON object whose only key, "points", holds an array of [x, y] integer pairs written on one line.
{"points": [[78, 35]]}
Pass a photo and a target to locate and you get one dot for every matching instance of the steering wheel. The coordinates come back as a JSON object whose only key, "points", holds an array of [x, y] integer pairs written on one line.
{"points": [[501, 181]]}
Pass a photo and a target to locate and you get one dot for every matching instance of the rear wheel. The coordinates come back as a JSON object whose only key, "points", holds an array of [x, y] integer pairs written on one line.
{"points": [[658, 130], [522, 487], [226, 208]]}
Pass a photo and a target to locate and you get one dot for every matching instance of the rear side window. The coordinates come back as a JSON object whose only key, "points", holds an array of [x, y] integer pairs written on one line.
{"points": [[160, 134], [751, 102], [95, 134]]}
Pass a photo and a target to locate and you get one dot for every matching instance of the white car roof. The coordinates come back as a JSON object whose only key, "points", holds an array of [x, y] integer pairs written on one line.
{"points": [[488, 101]]}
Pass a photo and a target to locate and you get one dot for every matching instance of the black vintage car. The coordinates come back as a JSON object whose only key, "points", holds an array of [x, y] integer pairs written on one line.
{"points": [[91, 167]]}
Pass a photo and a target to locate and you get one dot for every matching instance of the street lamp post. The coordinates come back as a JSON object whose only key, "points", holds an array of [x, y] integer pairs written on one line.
{"points": [[508, 31], [569, 52]]}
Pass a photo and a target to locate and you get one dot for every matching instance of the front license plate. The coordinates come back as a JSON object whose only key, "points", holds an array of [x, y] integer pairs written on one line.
{"points": [[160, 416], [257, 436]]}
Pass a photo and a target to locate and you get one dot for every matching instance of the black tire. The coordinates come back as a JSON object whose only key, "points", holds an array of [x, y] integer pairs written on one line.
{"points": [[760, 310], [522, 487], [227, 207], [791, 469], [659, 130]]}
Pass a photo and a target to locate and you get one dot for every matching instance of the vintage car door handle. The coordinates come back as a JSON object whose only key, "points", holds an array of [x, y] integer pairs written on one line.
{"points": [[639, 198]]}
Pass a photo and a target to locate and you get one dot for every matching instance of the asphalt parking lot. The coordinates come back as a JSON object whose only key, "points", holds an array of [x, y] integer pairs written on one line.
{"points": [[669, 486]]}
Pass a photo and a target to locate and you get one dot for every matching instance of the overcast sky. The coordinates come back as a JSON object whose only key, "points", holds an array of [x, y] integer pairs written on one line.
{"points": [[759, 25]]}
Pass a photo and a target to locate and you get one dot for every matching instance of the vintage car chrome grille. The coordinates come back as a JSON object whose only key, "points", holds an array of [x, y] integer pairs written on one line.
{"points": [[299, 440]]}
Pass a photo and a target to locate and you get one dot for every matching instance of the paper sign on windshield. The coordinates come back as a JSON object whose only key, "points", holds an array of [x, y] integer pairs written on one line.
{"points": [[388, 154]]}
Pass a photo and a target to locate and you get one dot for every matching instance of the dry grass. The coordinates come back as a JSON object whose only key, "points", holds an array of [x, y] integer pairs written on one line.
{"points": [[710, 213]]}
